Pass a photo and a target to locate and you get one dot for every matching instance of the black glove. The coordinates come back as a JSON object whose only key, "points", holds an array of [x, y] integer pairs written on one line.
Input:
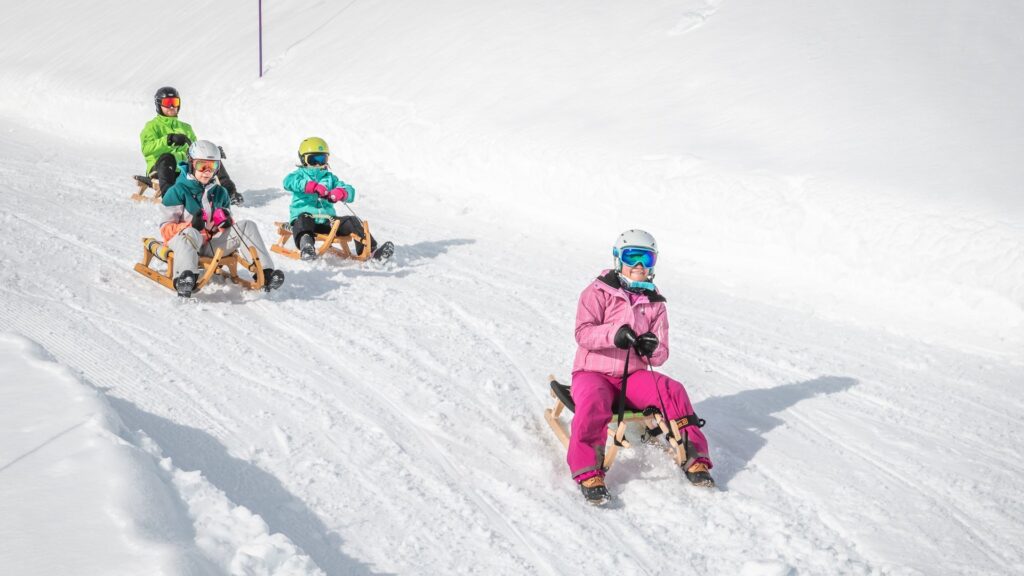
{"points": [[178, 140], [624, 337], [646, 344], [222, 154], [197, 221]]}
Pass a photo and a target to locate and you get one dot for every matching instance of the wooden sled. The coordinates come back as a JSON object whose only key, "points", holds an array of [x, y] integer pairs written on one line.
{"points": [[653, 421], [326, 243], [146, 183], [226, 266]]}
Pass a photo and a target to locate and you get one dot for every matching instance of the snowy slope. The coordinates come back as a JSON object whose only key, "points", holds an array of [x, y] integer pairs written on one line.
{"points": [[846, 312], [113, 502]]}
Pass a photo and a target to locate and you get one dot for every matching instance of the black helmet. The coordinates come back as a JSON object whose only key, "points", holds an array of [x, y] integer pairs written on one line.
{"points": [[165, 92]]}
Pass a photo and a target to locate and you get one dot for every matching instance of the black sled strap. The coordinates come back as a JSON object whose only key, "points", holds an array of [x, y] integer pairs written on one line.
{"points": [[690, 420]]}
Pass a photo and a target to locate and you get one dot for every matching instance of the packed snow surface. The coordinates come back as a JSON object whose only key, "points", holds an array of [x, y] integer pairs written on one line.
{"points": [[835, 189]]}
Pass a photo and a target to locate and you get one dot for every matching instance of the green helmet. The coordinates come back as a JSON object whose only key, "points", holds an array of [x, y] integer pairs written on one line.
{"points": [[311, 146]]}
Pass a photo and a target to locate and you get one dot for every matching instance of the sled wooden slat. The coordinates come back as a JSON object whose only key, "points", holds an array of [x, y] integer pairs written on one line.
{"points": [[140, 194], [326, 243], [552, 416], [226, 266]]}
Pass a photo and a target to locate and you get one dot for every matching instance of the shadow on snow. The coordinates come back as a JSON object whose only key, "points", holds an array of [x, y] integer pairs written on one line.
{"points": [[738, 424], [245, 484], [317, 280]]}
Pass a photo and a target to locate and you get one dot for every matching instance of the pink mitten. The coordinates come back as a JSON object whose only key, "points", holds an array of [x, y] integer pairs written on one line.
{"points": [[221, 218], [315, 188], [337, 195]]}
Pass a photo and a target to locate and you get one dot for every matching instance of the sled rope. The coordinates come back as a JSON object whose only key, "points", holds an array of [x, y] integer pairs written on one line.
{"points": [[661, 400], [620, 428]]}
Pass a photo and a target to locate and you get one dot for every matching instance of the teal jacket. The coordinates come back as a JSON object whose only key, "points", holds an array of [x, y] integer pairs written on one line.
{"points": [[188, 192], [187, 197], [313, 204], [154, 139]]}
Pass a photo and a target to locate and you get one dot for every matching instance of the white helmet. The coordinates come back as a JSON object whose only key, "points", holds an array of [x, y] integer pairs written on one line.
{"points": [[203, 150], [633, 239]]}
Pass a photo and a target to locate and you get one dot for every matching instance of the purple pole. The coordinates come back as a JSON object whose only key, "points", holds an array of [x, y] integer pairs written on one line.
{"points": [[261, 37]]}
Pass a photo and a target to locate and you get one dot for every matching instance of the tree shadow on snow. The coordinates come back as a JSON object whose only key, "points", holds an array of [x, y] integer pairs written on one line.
{"points": [[738, 424], [245, 484]]}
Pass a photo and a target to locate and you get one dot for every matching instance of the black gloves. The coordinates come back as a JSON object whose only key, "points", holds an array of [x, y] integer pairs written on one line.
{"points": [[624, 337], [222, 154], [646, 344], [197, 221], [178, 140]]}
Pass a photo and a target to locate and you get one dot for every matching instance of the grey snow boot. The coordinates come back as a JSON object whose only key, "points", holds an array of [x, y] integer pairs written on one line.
{"points": [[307, 247], [384, 251], [274, 279], [185, 283]]}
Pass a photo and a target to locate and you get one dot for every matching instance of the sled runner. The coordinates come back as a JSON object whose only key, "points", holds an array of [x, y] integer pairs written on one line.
{"points": [[326, 243], [653, 421], [226, 266], [145, 183]]}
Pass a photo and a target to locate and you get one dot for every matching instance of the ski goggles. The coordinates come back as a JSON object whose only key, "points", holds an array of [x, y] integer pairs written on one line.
{"points": [[633, 256], [172, 102], [318, 159], [206, 165]]}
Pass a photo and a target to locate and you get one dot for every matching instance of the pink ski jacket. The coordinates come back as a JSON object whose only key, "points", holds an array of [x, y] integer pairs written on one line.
{"points": [[604, 306]]}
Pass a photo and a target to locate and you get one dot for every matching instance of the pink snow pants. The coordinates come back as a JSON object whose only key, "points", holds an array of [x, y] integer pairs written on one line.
{"points": [[594, 393]]}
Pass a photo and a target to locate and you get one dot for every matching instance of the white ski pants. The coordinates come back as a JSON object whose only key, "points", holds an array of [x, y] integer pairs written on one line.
{"points": [[188, 245]]}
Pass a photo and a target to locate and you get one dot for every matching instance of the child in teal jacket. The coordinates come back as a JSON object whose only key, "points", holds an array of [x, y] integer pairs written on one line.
{"points": [[315, 190]]}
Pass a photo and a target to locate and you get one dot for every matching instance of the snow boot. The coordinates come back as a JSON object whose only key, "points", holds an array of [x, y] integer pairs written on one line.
{"points": [[384, 251], [594, 491], [307, 247], [185, 283], [698, 475], [274, 279], [233, 195]]}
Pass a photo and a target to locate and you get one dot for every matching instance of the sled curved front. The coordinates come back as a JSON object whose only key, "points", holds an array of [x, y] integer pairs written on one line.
{"points": [[145, 183]]}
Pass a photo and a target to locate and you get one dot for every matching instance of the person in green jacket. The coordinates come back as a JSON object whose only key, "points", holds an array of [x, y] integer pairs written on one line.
{"points": [[315, 190], [165, 141]]}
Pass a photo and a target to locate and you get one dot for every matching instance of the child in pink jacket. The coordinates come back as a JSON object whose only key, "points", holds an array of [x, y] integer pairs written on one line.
{"points": [[620, 315]]}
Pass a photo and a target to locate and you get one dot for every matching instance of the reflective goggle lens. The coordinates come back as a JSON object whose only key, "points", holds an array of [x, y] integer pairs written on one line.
{"points": [[319, 159], [634, 256], [170, 102], [206, 165]]}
